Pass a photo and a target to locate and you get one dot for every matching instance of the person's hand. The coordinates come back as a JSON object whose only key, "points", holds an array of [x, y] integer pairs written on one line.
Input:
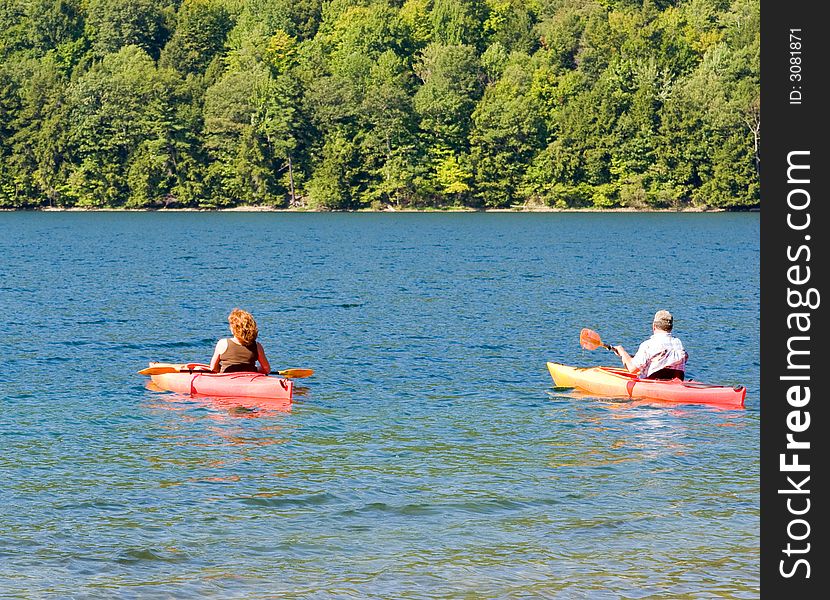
{"points": [[618, 350]]}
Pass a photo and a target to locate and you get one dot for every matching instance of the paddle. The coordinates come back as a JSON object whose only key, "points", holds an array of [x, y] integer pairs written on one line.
{"points": [[590, 340], [294, 373], [161, 368]]}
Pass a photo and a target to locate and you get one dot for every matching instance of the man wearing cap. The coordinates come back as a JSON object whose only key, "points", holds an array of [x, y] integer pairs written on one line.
{"points": [[661, 356]]}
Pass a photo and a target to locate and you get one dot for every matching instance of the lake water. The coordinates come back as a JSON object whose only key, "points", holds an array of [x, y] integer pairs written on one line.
{"points": [[428, 457]]}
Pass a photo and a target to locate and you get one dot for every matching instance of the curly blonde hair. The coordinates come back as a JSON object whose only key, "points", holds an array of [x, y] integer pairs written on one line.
{"points": [[243, 326]]}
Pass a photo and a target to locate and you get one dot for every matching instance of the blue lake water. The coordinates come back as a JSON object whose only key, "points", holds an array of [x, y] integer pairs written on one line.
{"points": [[428, 457]]}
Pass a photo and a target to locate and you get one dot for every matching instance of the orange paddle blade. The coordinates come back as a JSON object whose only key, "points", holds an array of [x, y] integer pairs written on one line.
{"points": [[589, 339], [296, 373], [160, 368]]}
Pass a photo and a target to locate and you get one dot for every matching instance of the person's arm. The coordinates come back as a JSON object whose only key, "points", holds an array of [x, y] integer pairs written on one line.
{"points": [[221, 346], [627, 360], [264, 365]]}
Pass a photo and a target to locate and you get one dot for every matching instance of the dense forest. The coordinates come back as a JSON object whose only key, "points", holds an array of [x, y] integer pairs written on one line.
{"points": [[348, 104]]}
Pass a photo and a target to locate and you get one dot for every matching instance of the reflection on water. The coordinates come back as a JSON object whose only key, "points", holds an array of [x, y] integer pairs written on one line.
{"points": [[241, 407], [624, 403]]}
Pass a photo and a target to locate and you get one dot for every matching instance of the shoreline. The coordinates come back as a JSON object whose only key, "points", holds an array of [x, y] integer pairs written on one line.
{"points": [[270, 209]]}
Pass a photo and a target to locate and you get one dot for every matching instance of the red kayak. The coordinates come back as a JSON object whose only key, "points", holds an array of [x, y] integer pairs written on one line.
{"points": [[237, 385], [610, 381]]}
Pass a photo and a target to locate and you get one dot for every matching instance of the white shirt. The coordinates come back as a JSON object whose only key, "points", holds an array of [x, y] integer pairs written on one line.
{"points": [[660, 351]]}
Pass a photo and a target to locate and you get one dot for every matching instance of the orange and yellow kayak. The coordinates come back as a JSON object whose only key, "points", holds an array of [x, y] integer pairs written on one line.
{"points": [[611, 381]]}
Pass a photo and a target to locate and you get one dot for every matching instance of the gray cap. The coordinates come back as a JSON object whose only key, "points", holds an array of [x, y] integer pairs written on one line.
{"points": [[663, 320]]}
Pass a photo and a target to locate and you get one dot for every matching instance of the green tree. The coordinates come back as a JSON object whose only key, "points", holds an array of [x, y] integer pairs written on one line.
{"points": [[510, 22], [115, 24], [450, 88], [508, 130], [298, 18], [168, 168], [14, 27], [457, 22], [599, 42], [279, 118], [415, 21], [239, 169], [494, 61], [201, 29], [56, 25], [332, 184], [388, 121], [453, 176], [38, 133], [118, 104]]}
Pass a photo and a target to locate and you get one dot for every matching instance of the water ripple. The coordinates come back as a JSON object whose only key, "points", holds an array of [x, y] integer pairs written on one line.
{"points": [[428, 457]]}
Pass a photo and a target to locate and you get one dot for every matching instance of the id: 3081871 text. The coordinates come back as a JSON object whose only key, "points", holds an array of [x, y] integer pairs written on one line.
{"points": [[795, 67]]}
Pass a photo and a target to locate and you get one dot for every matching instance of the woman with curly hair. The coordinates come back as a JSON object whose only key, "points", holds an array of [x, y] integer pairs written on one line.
{"points": [[241, 352]]}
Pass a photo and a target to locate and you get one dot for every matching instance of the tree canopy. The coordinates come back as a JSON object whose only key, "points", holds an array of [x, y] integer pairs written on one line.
{"points": [[347, 104]]}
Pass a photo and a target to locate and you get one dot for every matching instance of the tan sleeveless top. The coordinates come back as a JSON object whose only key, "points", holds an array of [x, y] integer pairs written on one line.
{"points": [[238, 358]]}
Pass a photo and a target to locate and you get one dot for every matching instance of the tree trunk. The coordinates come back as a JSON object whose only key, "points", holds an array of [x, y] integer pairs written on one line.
{"points": [[753, 123], [291, 182]]}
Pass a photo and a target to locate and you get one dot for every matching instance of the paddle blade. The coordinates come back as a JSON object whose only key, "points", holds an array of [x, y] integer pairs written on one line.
{"points": [[296, 373], [160, 368], [589, 339]]}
